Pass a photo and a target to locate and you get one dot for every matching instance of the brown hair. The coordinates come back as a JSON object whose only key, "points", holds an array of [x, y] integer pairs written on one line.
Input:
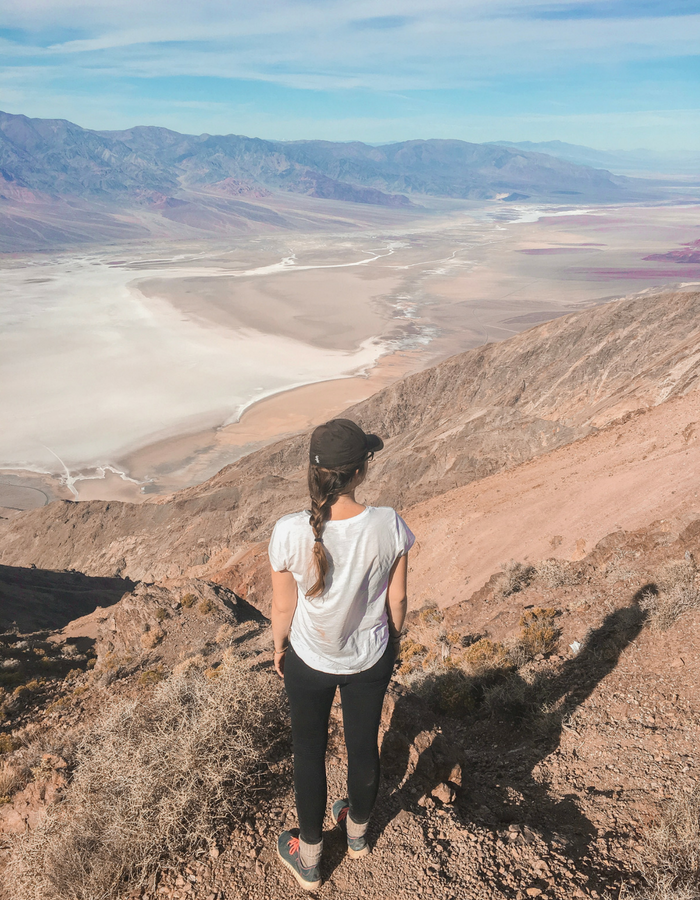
{"points": [[325, 486]]}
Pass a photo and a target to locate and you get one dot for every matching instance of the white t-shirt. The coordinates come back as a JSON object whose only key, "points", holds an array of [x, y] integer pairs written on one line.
{"points": [[344, 630]]}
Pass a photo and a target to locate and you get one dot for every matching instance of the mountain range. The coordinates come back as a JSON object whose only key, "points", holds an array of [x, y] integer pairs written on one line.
{"points": [[622, 162], [58, 157]]}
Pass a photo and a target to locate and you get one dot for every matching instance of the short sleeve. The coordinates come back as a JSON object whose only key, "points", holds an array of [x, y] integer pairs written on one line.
{"points": [[405, 537], [278, 548]]}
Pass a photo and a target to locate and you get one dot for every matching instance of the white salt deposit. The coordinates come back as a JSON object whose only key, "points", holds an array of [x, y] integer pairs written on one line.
{"points": [[90, 368]]}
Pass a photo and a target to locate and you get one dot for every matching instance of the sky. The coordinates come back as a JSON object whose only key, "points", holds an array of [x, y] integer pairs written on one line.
{"points": [[611, 74]]}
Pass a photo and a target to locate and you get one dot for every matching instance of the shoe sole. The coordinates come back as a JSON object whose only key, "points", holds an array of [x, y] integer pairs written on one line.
{"points": [[307, 885], [354, 854]]}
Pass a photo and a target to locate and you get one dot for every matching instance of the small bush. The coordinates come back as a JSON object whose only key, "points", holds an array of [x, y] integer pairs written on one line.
{"points": [[152, 676], [161, 614], [151, 639], [452, 693], [671, 863], [10, 781], [206, 606], [7, 743], [486, 654], [678, 593], [189, 600], [412, 655], [155, 780], [555, 573], [538, 633], [514, 578], [192, 662], [224, 634], [430, 615]]}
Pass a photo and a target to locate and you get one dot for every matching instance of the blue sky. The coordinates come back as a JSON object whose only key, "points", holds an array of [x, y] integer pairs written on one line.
{"points": [[615, 74]]}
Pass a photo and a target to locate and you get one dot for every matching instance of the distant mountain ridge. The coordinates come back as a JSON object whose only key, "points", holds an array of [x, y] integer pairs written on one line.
{"points": [[59, 158], [618, 161]]}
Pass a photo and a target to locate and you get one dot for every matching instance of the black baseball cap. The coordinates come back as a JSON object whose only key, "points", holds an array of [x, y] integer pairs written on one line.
{"points": [[341, 442]]}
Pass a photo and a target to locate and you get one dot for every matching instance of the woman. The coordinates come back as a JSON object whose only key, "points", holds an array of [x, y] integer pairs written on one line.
{"points": [[338, 606]]}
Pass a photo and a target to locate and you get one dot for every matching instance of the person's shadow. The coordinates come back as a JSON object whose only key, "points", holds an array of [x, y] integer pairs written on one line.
{"points": [[499, 745]]}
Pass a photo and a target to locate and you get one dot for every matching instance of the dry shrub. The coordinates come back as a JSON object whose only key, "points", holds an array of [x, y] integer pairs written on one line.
{"points": [[413, 653], [662, 889], [430, 615], [538, 634], [452, 693], [189, 600], [161, 614], [674, 841], [7, 743], [225, 633], [192, 662], [152, 676], [514, 578], [151, 638], [486, 654], [679, 593], [456, 684], [206, 607], [555, 573], [9, 781], [620, 566], [671, 860], [155, 780]]}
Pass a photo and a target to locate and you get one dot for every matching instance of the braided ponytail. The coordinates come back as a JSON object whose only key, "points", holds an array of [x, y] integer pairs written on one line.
{"points": [[325, 486]]}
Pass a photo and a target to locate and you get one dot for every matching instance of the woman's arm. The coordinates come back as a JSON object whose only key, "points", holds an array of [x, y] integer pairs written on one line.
{"points": [[396, 600], [284, 604]]}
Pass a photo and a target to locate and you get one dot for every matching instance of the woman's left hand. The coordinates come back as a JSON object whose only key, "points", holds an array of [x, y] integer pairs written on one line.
{"points": [[279, 662]]}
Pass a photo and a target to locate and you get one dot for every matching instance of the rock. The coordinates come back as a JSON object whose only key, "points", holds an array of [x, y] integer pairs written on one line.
{"points": [[54, 762], [533, 891], [403, 818], [455, 776], [214, 852], [444, 793], [27, 807], [678, 663]]}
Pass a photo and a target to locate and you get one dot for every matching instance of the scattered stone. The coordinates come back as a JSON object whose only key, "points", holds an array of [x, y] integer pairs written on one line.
{"points": [[444, 793], [455, 776]]}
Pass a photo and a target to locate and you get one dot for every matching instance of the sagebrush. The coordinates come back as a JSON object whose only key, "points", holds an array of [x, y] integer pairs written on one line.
{"points": [[154, 780], [671, 862], [678, 592]]}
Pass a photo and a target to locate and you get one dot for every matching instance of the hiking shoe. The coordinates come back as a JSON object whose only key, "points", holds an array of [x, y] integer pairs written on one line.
{"points": [[308, 877], [357, 847]]}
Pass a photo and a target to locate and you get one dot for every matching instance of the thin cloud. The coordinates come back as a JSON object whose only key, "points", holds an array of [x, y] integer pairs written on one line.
{"points": [[321, 48]]}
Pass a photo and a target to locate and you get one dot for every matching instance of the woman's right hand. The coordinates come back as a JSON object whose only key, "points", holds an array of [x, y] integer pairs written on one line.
{"points": [[279, 662]]}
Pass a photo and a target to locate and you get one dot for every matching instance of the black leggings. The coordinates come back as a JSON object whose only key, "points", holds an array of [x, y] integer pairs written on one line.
{"points": [[311, 695]]}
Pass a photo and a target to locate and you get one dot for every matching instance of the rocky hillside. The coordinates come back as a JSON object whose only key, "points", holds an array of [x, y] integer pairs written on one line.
{"points": [[540, 736], [472, 416], [533, 736]]}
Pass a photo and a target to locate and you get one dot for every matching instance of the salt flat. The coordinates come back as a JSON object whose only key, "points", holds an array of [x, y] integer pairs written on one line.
{"points": [[131, 369]]}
